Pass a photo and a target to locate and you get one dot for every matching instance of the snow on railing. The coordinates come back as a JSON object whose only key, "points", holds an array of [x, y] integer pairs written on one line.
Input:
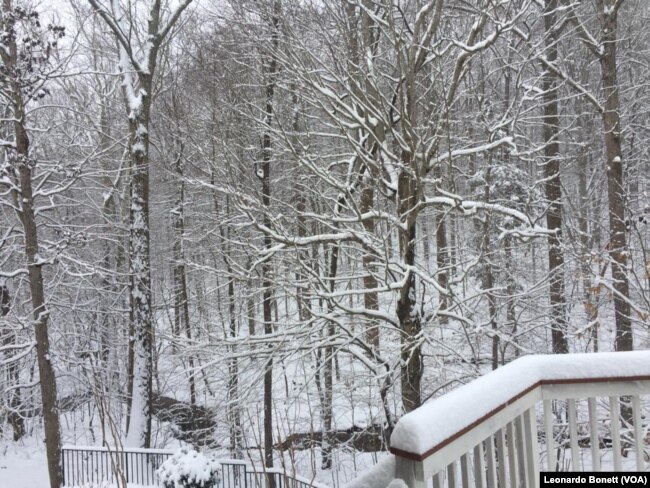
{"points": [[485, 433]]}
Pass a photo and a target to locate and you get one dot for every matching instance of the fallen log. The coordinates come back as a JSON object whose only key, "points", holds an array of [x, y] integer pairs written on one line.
{"points": [[194, 423], [362, 439]]}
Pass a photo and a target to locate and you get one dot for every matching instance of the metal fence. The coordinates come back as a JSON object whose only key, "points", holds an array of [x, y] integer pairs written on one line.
{"points": [[275, 479], [91, 466]]}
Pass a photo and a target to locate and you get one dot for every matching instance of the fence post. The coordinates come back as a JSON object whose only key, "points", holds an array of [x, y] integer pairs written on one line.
{"points": [[411, 472], [126, 466], [63, 451]]}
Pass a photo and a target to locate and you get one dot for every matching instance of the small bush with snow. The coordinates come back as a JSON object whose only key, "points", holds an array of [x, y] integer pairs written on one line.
{"points": [[189, 469]]}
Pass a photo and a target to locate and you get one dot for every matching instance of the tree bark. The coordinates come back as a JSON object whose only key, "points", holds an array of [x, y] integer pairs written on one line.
{"points": [[553, 188], [181, 299], [137, 84], [15, 418], [618, 249], [270, 71], [590, 293], [40, 312], [407, 313], [488, 274], [140, 270]]}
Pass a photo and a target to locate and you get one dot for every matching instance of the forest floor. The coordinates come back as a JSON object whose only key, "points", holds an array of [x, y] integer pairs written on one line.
{"points": [[23, 463]]}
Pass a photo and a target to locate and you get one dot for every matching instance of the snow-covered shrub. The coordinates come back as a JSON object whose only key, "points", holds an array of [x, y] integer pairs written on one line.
{"points": [[189, 469]]}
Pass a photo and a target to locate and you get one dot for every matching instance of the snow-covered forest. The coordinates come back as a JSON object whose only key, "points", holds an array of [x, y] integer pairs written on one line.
{"points": [[269, 228]]}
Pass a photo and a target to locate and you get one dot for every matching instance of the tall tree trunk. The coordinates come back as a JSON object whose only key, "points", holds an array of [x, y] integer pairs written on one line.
{"points": [[511, 291], [139, 434], [181, 299], [370, 298], [137, 83], [13, 373], [25, 205], [361, 38], [106, 327], [234, 418], [553, 187], [407, 313], [40, 313], [328, 367], [488, 274], [442, 254], [270, 71], [618, 249], [590, 293]]}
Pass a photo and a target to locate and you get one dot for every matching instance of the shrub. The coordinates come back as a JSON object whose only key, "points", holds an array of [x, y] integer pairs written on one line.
{"points": [[189, 469]]}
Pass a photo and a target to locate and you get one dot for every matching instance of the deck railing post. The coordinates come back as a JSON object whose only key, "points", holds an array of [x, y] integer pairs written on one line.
{"points": [[638, 433], [410, 471], [63, 458], [532, 448], [573, 434], [551, 459]]}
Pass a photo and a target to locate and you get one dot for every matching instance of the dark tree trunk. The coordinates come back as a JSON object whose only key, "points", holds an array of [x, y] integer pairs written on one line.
{"points": [[25, 206], [181, 299], [553, 188], [270, 71], [590, 293], [236, 441], [15, 418], [442, 252], [618, 249], [488, 274], [41, 316], [140, 270], [370, 298], [407, 313], [328, 369]]}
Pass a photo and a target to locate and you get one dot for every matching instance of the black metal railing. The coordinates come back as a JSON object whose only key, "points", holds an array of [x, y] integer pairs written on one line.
{"points": [[94, 465], [275, 479], [88, 466]]}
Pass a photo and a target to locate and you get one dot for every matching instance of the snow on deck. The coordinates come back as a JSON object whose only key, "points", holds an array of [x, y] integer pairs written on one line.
{"points": [[421, 430], [380, 475]]}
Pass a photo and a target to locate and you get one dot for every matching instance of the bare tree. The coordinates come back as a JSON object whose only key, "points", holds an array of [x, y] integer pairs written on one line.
{"points": [[553, 185], [25, 53], [137, 65], [618, 248], [270, 73], [604, 49]]}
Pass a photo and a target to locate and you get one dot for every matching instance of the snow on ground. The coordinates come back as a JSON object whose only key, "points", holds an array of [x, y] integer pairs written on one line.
{"points": [[23, 463]]}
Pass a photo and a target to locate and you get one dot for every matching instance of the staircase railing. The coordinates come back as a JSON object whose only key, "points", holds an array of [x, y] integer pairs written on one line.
{"points": [[578, 412]]}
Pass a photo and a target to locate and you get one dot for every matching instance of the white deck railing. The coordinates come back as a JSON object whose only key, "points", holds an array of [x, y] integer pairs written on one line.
{"points": [[486, 434]]}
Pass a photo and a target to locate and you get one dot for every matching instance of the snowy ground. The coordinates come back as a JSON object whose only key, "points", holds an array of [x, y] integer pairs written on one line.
{"points": [[23, 464]]}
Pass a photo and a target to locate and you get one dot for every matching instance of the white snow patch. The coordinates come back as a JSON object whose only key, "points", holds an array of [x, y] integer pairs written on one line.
{"points": [[381, 475], [398, 484], [23, 464]]}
